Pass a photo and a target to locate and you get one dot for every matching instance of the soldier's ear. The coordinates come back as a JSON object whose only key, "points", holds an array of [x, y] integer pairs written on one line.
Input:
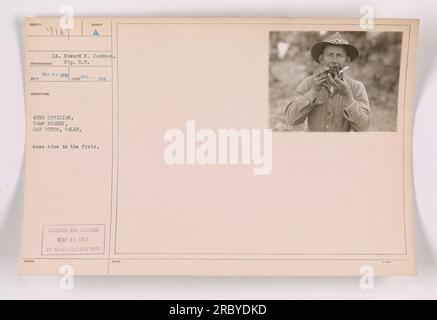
{"points": [[321, 58], [348, 59]]}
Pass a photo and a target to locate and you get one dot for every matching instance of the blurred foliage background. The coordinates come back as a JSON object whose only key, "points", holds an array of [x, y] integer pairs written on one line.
{"points": [[377, 67]]}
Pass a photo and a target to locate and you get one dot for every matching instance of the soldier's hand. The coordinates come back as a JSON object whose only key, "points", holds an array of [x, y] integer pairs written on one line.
{"points": [[320, 76], [340, 86]]}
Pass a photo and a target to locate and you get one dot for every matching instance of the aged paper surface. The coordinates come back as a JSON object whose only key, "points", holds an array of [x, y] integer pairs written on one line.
{"points": [[104, 101]]}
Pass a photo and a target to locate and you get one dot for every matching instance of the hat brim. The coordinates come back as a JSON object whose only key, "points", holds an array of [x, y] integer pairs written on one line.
{"points": [[317, 50]]}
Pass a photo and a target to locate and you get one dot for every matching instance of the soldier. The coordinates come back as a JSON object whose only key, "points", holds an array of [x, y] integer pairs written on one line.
{"points": [[329, 100]]}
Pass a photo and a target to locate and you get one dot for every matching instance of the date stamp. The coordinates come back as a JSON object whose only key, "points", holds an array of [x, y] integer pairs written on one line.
{"points": [[77, 239]]}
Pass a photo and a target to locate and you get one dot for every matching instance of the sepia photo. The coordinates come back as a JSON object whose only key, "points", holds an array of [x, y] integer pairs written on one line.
{"points": [[179, 111], [334, 81]]}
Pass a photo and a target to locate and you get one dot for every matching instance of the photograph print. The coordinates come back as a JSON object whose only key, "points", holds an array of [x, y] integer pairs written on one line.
{"points": [[330, 81]]}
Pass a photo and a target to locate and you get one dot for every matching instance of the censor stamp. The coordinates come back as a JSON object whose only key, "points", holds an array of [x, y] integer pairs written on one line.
{"points": [[82, 239]]}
